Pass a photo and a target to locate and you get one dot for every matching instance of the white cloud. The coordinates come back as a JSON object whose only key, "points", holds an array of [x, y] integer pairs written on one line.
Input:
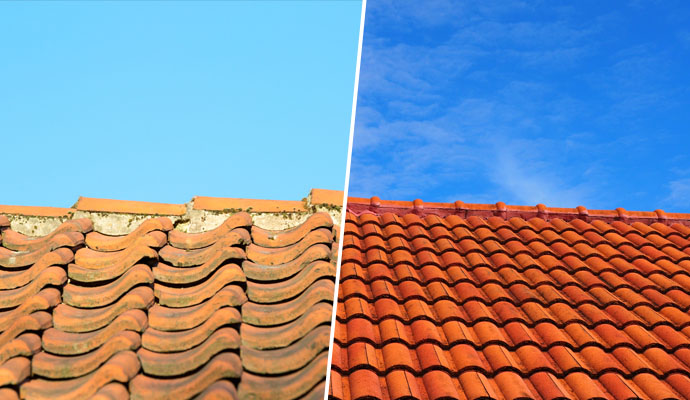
{"points": [[679, 194], [492, 101]]}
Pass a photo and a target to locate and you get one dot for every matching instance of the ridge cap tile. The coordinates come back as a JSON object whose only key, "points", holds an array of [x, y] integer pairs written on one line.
{"points": [[37, 211], [128, 206], [251, 205], [327, 196], [359, 205]]}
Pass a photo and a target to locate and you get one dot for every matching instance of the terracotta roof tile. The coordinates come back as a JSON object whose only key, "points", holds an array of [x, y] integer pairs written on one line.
{"points": [[129, 207], [493, 301], [290, 292], [158, 312], [330, 197], [223, 203], [317, 197], [36, 211]]}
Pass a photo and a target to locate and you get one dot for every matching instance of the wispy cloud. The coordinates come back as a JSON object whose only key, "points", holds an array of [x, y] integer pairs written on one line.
{"points": [[679, 193], [515, 102]]}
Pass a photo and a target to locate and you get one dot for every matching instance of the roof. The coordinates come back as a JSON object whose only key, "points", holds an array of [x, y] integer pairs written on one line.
{"points": [[235, 310], [445, 301]]}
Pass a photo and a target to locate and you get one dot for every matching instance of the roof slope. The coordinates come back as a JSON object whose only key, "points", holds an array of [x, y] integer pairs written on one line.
{"points": [[487, 301], [235, 311]]}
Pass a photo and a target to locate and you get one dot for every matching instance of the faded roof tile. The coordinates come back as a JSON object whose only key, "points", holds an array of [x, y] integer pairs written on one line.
{"points": [[158, 312]]}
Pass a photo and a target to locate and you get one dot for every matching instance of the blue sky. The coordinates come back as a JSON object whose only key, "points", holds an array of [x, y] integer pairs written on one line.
{"points": [[157, 101], [525, 102]]}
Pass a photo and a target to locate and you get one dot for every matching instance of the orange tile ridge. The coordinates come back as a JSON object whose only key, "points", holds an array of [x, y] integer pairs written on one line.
{"points": [[375, 205], [129, 207], [36, 211], [316, 197], [251, 205], [324, 196]]}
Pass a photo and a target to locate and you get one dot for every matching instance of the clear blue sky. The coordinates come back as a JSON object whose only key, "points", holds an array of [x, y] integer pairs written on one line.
{"points": [[561, 103], [162, 101]]}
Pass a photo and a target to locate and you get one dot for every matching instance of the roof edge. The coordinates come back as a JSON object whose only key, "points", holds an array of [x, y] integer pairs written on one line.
{"points": [[374, 205], [91, 204], [37, 211], [128, 207]]}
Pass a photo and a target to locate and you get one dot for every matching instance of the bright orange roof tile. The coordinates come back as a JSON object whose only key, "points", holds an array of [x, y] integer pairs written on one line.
{"points": [[441, 300]]}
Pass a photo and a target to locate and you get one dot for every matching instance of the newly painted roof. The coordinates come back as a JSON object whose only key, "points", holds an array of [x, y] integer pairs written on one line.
{"points": [[470, 301], [234, 311]]}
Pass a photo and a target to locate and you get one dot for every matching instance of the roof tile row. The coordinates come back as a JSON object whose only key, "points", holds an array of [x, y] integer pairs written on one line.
{"points": [[286, 327], [439, 305], [159, 312], [316, 197]]}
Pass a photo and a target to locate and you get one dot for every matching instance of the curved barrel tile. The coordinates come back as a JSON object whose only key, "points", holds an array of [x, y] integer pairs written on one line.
{"points": [[67, 343], [37, 321], [187, 258], [287, 359], [275, 314], [19, 259], [316, 393], [26, 345], [70, 319], [43, 300], [178, 319], [15, 279], [165, 342], [223, 365], [286, 326], [276, 256], [61, 240], [260, 337], [179, 363], [99, 296], [290, 386], [95, 266], [14, 371], [267, 238], [120, 368], [190, 241], [260, 272], [87, 275], [96, 260], [189, 296], [112, 391], [60, 367], [284, 290], [50, 276], [8, 394], [169, 274], [19, 242], [220, 390], [101, 242]]}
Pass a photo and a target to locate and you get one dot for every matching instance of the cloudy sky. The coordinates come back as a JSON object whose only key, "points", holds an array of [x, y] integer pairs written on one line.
{"points": [[525, 103]]}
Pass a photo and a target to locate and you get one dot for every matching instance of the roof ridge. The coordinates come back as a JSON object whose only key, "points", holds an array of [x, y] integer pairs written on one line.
{"points": [[316, 197], [374, 205]]}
